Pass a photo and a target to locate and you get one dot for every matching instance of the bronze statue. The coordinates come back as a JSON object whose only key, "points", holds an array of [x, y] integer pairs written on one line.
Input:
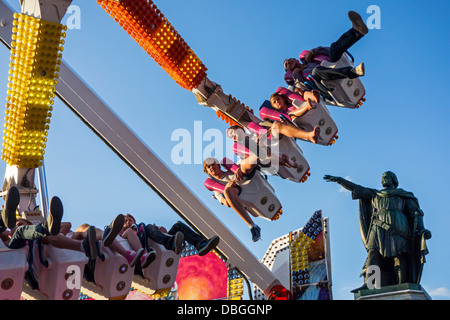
{"points": [[392, 229]]}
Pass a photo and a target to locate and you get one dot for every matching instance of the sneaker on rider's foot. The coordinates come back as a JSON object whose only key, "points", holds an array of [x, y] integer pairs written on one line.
{"points": [[208, 245], [111, 231], [9, 211], [89, 244], [147, 258], [359, 70], [256, 233], [178, 242], [55, 213], [133, 257]]}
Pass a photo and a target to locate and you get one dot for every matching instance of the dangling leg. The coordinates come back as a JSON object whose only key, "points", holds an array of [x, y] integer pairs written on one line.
{"points": [[87, 246], [53, 222], [248, 164], [232, 196], [202, 244], [31, 232], [131, 256], [294, 132], [324, 73], [132, 238], [135, 243], [170, 242], [112, 230], [349, 38], [313, 95], [189, 235]]}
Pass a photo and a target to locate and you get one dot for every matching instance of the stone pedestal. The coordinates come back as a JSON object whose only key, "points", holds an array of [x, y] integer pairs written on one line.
{"points": [[405, 291]]}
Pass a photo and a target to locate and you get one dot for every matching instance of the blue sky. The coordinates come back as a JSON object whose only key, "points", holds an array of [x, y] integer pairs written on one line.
{"points": [[401, 127]]}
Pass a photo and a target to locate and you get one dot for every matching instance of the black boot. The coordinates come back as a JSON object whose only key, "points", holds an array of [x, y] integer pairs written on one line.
{"points": [[10, 207]]}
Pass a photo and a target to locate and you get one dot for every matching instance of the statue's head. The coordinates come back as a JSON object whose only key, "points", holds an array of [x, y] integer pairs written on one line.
{"points": [[389, 179]]}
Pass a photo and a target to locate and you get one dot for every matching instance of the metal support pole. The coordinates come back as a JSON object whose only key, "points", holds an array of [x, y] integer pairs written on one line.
{"points": [[43, 190]]}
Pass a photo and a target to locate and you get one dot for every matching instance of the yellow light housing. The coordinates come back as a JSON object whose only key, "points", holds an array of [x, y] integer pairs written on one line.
{"points": [[35, 59], [145, 23], [235, 285]]}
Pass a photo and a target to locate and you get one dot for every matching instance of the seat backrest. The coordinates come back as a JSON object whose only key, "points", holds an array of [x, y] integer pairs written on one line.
{"points": [[13, 265], [259, 197], [162, 272], [53, 279], [113, 276]]}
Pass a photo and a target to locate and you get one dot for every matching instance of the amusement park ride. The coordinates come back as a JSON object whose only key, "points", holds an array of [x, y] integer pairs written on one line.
{"points": [[38, 75]]}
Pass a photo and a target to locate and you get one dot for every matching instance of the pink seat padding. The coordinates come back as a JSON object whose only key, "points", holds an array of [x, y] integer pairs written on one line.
{"points": [[229, 165], [291, 95], [240, 149], [317, 58], [272, 114], [256, 128], [213, 185]]}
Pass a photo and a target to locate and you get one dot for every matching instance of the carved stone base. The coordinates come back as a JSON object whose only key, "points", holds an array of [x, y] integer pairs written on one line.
{"points": [[405, 291]]}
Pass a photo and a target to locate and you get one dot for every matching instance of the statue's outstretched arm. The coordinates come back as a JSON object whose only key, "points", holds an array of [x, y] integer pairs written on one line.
{"points": [[344, 183]]}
